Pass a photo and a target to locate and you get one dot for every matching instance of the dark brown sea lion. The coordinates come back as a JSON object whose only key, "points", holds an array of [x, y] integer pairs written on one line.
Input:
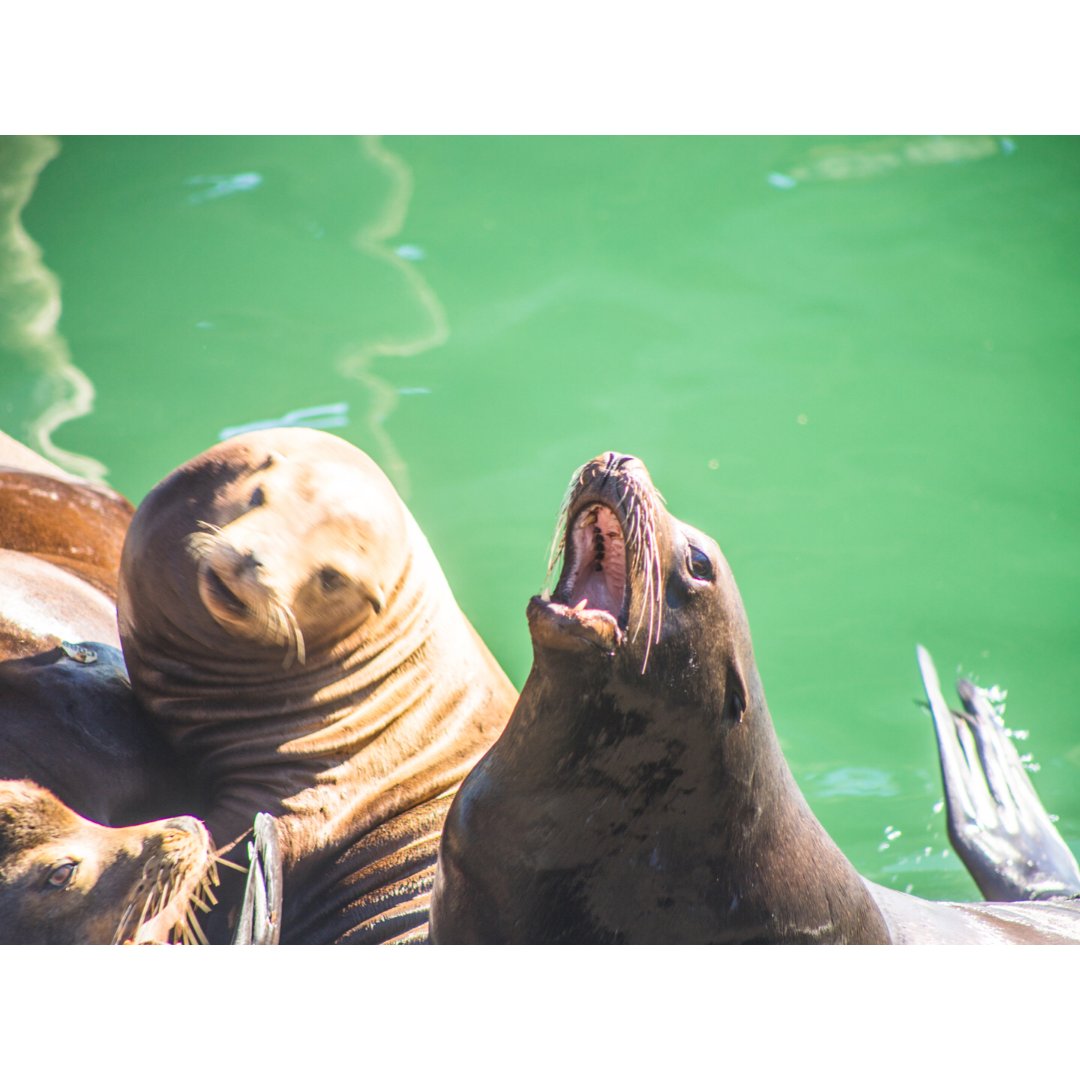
{"points": [[68, 719], [638, 793], [287, 625], [66, 880]]}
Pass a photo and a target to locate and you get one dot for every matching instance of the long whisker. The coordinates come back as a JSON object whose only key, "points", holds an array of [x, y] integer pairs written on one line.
{"points": [[637, 508], [558, 541], [281, 623]]}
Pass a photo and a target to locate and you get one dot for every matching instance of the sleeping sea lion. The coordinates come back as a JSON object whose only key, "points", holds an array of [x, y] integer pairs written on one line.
{"points": [[638, 793], [68, 881], [68, 719], [67, 523], [285, 622]]}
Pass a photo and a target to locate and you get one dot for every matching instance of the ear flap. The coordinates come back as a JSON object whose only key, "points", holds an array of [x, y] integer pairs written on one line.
{"points": [[734, 696]]}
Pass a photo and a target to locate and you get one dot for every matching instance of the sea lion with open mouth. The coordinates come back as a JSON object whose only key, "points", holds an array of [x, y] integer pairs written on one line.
{"points": [[638, 793], [287, 625], [65, 880]]}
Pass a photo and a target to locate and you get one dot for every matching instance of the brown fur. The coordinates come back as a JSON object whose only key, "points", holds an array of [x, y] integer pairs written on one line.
{"points": [[72, 524], [67, 880], [287, 625], [68, 719]]}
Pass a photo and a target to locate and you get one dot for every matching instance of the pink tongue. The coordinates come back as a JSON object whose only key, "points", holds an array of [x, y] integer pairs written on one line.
{"points": [[600, 555], [593, 592]]}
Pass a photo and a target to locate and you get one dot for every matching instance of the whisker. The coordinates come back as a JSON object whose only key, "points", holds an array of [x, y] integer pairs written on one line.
{"points": [[193, 925]]}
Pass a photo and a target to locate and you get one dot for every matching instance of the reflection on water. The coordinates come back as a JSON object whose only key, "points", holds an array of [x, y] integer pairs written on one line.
{"points": [[217, 187], [838, 783], [318, 416], [36, 358], [876, 157], [434, 329]]}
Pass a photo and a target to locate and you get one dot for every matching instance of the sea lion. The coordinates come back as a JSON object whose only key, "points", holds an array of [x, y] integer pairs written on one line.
{"points": [[68, 719], [638, 793], [286, 623], [60, 518], [70, 524], [68, 881]]}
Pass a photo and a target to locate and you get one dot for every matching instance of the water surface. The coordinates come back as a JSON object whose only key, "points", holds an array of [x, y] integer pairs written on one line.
{"points": [[852, 361]]}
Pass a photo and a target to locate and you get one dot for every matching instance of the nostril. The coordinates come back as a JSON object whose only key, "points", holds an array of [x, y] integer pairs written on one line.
{"points": [[250, 561]]}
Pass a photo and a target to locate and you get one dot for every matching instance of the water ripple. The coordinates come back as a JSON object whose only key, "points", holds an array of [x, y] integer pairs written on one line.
{"points": [[360, 364], [30, 310]]}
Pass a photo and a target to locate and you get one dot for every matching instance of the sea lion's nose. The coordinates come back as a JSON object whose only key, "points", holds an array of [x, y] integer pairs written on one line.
{"points": [[613, 461], [250, 562]]}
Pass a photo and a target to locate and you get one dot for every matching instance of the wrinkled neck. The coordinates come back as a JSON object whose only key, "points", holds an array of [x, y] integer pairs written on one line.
{"points": [[392, 714]]}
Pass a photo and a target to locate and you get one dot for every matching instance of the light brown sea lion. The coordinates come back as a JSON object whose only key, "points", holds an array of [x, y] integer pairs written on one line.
{"points": [[638, 793], [285, 621], [74, 525], [66, 880], [67, 521]]}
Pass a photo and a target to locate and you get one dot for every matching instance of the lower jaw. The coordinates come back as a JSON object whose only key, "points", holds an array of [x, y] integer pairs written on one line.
{"points": [[556, 626]]}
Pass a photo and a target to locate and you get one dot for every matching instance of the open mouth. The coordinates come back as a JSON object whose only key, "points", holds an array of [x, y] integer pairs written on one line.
{"points": [[594, 578], [591, 600]]}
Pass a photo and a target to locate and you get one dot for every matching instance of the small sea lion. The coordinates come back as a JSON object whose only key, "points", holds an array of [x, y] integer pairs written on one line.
{"points": [[65, 880], [638, 793], [287, 625]]}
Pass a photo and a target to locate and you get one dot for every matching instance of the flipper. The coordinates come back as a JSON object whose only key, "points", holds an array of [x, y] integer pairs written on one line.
{"points": [[996, 822], [260, 910]]}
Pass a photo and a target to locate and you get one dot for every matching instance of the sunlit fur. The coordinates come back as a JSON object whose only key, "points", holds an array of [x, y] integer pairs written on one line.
{"points": [[288, 627], [140, 884]]}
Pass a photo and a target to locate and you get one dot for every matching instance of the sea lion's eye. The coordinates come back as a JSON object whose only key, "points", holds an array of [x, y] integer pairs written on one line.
{"points": [[699, 564], [330, 579], [258, 497], [61, 876]]}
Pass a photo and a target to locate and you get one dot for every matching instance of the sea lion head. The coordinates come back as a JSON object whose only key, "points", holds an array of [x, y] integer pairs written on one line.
{"points": [[281, 541], [66, 880], [643, 598]]}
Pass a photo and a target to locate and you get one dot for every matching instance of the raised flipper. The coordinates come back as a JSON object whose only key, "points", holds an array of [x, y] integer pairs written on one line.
{"points": [[259, 922], [996, 822]]}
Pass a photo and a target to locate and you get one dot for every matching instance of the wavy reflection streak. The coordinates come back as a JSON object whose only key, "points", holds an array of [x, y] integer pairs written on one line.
{"points": [[30, 310]]}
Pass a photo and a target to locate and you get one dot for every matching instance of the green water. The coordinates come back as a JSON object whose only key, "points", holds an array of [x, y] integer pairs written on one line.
{"points": [[852, 361]]}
